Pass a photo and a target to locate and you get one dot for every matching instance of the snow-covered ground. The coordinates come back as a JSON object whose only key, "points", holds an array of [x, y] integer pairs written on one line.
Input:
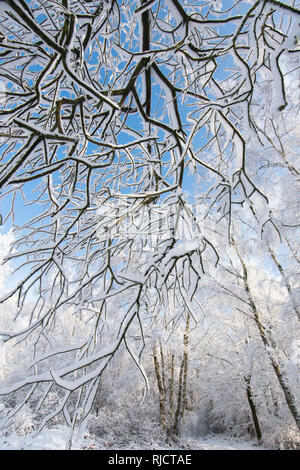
{"points": [[223, 443], [58, 439]]}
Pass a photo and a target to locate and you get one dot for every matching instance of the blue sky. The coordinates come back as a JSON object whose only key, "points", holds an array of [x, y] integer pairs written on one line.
{"points": [[191, 182]]}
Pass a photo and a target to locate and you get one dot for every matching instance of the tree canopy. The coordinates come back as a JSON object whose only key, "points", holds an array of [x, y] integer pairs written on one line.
{"points": [[135, 132]]}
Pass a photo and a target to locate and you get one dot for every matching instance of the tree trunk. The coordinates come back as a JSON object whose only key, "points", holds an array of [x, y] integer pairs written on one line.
{"points": [[161, 390], [269, 346], [182, 383], [185, 366], [171, 393], [175, 429], [253, 408]]}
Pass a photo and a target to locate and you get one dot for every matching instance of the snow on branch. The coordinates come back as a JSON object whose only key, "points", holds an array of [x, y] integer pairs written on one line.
{"points": [[125, 129]]}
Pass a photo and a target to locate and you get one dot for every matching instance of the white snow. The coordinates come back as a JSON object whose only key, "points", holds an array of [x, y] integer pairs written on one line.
{"points": [[47, 439], [58, 439]]}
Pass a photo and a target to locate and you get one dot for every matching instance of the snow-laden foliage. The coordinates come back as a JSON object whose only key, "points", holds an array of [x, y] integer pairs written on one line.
{"points": [[149, 173]]}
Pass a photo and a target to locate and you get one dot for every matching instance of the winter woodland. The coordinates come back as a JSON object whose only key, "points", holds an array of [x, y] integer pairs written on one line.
{"points": [[149, 182]]}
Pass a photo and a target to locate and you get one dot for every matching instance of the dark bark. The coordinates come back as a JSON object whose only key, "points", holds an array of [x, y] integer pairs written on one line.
{"points": [[253, 408], [270, 347]]}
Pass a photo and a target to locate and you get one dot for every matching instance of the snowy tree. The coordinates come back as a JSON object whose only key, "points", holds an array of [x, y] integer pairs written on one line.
{"points": [[111, 111]]}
